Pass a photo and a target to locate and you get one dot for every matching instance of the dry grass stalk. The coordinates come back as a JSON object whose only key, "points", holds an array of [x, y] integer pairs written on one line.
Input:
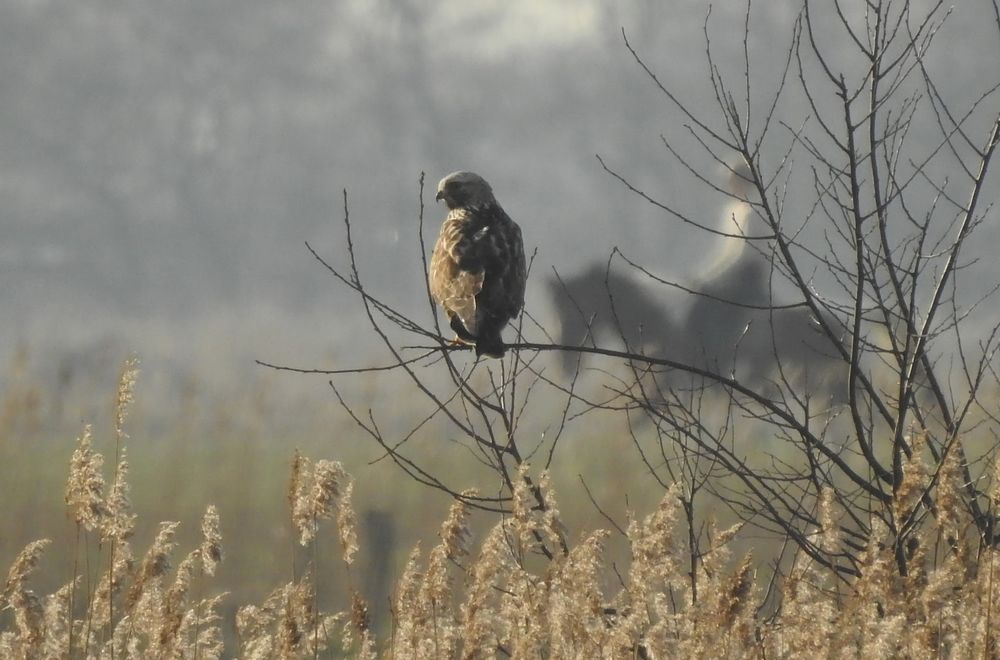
{"points": [[556, 607], [29, 614], [713, 622], [575, 610], [480, 611], [871, 619], [285, 625], [119, 522], [950, 515], [173, 605], [347, 524], [109, 586], [521, 512], [211, 543], [57, 622], [808, 618], [551, 523], [646, 611], [829, 527], [407, 622], [318, 492], [455, 533], [200, 627], [426, 624], [125, 395], [155, 564], [85, 486], [295, 482], [523, 624], [906, 499]]}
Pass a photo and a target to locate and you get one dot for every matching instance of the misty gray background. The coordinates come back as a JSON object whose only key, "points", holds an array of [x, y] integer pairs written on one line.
{"points": [[162, 163]]}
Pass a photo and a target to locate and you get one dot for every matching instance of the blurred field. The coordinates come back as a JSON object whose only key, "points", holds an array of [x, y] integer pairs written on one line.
{"points": [[193, 446], [476, 586]]}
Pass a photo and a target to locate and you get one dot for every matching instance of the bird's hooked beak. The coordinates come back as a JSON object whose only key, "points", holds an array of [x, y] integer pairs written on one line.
{"points": [[439, 196]]}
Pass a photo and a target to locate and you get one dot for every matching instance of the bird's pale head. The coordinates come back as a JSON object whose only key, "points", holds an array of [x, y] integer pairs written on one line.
{"points": [[463, 189]]}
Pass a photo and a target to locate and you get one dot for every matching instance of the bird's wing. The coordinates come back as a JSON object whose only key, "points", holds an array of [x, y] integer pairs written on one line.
{"points": [[505, 261], [457, 276], [486, 238]]}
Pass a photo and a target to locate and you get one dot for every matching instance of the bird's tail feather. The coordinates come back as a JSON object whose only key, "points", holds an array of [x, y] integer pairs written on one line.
{"points": [[490, 344]]}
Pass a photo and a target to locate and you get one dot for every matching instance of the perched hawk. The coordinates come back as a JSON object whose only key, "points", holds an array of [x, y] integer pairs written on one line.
{"points": [[477, 269]]}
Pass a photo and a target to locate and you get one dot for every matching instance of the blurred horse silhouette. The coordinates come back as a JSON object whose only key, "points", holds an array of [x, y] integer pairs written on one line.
{"points": [[600, 305], [733, 324]]}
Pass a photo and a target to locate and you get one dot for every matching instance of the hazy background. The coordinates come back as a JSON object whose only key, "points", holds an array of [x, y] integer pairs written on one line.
{"points": [[162, 163]]}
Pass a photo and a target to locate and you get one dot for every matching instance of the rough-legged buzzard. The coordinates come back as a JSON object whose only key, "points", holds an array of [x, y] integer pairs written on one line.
{"points": [[477, 269]]}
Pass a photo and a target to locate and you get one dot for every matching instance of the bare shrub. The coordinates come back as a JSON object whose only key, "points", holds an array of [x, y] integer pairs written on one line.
{"points": [[847, 365]]}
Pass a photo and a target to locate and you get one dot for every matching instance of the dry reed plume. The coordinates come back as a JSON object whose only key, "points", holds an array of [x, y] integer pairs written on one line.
{"points": [[505, 598]]}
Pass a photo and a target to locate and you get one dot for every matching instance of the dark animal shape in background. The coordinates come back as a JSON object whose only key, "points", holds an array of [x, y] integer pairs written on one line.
{"points": [[583, 305], [739, 327], [734, 330], [757, 346], [728, 328]]}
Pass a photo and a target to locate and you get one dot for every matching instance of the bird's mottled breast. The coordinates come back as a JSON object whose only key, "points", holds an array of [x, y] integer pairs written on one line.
{"points": [[456, 233]]}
